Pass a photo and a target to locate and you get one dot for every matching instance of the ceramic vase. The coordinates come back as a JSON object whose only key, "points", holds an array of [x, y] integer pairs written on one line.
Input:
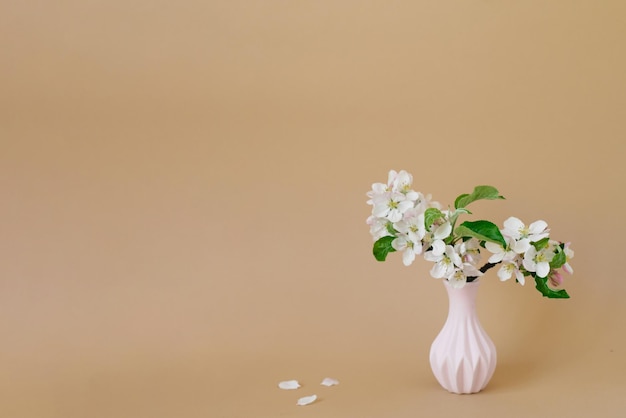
{"points": [[463, 357]]}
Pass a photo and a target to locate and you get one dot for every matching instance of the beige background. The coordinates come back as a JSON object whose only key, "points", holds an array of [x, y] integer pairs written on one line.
{"points": [[183, 203]]}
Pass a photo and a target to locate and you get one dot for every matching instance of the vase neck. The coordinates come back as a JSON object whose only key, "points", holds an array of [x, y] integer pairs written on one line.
{"points": [[462, 301]]}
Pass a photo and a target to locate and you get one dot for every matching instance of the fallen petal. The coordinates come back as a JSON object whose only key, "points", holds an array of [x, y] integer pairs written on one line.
{"points": [[289, 384], [328, 381], [307, 400]]}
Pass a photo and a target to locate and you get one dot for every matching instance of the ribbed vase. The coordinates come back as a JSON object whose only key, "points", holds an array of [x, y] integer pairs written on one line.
{"points": [[463, 357]]}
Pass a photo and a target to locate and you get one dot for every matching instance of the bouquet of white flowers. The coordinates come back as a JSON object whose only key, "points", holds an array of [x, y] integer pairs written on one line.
{"points": [[410, 222]]}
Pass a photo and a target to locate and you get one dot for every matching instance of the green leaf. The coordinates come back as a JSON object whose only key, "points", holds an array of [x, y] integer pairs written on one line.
{"points": [[479, 193], [390, 228], [542, 286], [558, 260], [482, 230], [430, 216], [541, 244], [382, 247], [459, 199], [462, 210]]}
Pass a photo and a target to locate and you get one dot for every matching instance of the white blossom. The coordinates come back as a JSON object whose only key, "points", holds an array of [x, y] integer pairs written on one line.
{"points": [[516, 229], [569, 254], [391, 206], [469, 251], [412, 224], [398, 212], [538, 261], [408, 248], [445, 262], [378, 227], [459, 275], [401, 183], [510, 268]]}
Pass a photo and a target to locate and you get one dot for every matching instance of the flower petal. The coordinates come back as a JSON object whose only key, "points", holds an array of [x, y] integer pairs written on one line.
{"points": [[391, 177], [458, 283], [493, 247], [504, 273], [289, 384], [439, 247], [329, 381], [412, 195], [529, 264], [521, 246], [405, 205], [394, 215], [306, 400], [442, 231], [496, 258], [513, 225], [380, 210], [408, 256], [399, 243], [537, 227], [568, 268], [438, 271], [543, 268]]}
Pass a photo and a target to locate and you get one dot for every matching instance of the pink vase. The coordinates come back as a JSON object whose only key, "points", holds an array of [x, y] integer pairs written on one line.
{"points": [[463, 357]]}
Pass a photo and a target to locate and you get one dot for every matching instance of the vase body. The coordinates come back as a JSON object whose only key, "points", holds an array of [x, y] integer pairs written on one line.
{"points": [[463, 357]]}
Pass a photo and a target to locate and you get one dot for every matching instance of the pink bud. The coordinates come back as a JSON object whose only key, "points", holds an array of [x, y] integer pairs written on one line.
{"points": [[555, 278]]}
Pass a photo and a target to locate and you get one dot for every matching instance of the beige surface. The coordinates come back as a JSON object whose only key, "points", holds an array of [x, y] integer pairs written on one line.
{"points": [[183, 203]]}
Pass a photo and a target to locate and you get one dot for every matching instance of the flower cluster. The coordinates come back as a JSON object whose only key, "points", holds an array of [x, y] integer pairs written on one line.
{"points": [[410, 222]]}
